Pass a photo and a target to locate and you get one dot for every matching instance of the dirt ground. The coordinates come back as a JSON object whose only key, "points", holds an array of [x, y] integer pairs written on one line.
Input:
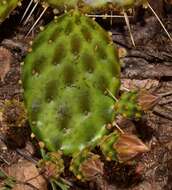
{"points": [[147, 65]]}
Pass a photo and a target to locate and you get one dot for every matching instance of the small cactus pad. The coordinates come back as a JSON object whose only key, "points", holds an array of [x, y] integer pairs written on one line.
{"points": [[128, 105], [6, 6], [65, 79], [87, 5], [86, 165], [52, 165], [106, 146]]}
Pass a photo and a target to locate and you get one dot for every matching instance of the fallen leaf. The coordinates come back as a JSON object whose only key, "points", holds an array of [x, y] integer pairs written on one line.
{"points": [[147, 84], [25, 171]]}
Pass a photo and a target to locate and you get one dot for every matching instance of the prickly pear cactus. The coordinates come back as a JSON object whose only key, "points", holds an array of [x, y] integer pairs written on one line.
{"points": [[6, 6], [65, 79], [71, 79]]}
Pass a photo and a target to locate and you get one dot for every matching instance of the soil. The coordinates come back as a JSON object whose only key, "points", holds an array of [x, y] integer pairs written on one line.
{"points": [[147, 65]]}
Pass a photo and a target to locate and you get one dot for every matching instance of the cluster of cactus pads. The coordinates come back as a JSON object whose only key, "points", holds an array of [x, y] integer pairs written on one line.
{"points": [[70, 79]]}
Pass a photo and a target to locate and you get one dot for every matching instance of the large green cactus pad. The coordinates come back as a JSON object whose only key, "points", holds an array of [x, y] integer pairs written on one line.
{"points": [[87, 5], [65, 79], [6, 6]]}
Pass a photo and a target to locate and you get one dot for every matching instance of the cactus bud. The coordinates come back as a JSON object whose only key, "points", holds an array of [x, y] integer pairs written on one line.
{"points": [[128, 146], [52, 166], [92, 167]]}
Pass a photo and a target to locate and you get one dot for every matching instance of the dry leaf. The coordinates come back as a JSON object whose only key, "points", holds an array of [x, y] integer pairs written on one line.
{"points": [[26, 171], [131, 84]]}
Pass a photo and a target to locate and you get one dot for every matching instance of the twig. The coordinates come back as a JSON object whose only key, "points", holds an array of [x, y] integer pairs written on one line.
{"points": [[26, 183], [117, 126], [21, 153], [165, 94], [4, 160], [162, 112]]}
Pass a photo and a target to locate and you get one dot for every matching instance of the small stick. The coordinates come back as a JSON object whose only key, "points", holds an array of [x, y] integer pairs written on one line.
{"points": [[29, 158], [165, 102], [165, 94], [129, 28], [106, 16], [110, 93], [160, 21], [117, 126], [162, 112]]}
